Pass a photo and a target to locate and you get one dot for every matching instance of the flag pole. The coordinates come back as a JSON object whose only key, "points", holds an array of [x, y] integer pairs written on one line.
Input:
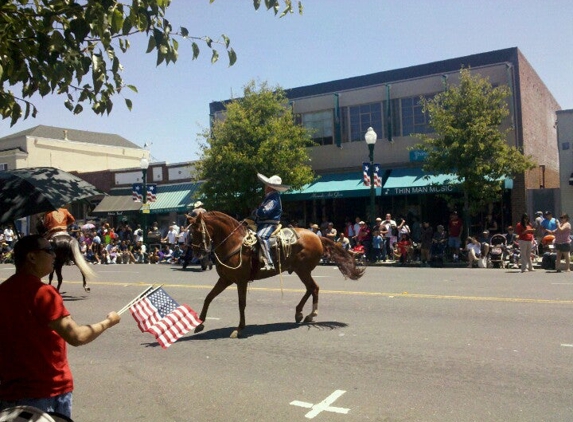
{"points": [[149, 290]]}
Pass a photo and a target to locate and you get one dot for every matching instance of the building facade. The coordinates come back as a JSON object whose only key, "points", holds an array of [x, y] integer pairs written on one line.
{"points": [[68, 149], [565, 144], [339, 113]]}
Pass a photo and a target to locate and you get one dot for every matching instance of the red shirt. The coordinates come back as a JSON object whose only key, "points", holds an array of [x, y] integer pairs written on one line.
{"points": [[455, 228], [520, 230], [33, 357]]}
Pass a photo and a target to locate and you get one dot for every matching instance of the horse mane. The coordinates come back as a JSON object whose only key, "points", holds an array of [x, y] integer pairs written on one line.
{"points": [[224, 218]]}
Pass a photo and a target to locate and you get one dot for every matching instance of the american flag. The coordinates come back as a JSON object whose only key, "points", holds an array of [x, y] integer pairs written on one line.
{"points": [[161, 316], [377, 179], [137, 192], [366, 173], [151, 193]]}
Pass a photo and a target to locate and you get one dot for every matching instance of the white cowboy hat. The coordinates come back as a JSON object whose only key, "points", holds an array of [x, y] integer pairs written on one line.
{"points": [[198, 204], [274, 182]]}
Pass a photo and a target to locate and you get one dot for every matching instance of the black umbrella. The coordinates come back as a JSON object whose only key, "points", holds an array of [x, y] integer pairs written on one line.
{"points": [[28, 191]]}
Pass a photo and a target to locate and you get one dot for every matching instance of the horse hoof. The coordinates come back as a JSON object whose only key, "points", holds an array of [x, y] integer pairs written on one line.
{"points": [[309, 318], [199, 328], [87, 289], [298, 318], [235, 334]]}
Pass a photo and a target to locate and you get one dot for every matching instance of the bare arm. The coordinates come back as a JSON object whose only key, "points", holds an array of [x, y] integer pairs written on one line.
{"points": [[78, 335]]}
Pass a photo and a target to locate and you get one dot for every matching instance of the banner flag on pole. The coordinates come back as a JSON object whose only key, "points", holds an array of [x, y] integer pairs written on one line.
{"points": [[366, 173], [151, 193], [161, 316], [137, 192], [377, 178]]}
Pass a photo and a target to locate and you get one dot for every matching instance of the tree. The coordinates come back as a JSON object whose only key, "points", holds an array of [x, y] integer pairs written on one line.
{"points": [[54, 46], [257, 135], [469, 141]]}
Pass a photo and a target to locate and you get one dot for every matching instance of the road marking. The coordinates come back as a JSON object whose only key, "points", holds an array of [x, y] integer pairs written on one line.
{"points": [[403, 295], [566, 345], [323, 406]]}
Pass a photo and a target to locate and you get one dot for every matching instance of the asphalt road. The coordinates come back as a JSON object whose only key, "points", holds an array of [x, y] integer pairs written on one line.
{"points": [[401, 344]]}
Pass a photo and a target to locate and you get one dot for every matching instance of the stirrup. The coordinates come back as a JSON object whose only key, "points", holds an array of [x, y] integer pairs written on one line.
{"points": [[268, 267]]}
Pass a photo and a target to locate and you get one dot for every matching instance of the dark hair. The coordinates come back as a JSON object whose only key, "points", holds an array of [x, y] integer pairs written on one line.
{"points": [[23, 246], [524, 217]]}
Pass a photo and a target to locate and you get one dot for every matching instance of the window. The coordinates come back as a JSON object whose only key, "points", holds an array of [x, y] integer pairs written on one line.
{"points": [[320, 125], [362, 117], [3, 166], [414, 120]]}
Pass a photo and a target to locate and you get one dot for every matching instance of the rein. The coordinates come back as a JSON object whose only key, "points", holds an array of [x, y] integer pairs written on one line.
{"points": [[209, 246]]}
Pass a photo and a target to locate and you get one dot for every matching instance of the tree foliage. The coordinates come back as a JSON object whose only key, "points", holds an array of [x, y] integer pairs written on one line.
{"points": [[257, 135], [469, 139], [70, 48]]}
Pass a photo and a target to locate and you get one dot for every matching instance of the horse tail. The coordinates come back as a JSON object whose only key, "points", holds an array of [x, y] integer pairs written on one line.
{"points": [[344, 259], [79, 260]]}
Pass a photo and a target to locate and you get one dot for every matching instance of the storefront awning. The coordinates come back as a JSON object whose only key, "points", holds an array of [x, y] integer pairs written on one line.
{"points": [[340, 185], [113, 205], [174, 198], [414, 181]]}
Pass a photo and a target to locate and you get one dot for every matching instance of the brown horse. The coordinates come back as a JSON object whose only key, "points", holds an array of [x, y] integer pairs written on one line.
{"points": [[223, 236]]}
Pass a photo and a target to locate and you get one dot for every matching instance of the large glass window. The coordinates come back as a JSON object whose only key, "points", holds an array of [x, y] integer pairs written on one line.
{"points": [[362, 117], [320, 125], [414, 120]]}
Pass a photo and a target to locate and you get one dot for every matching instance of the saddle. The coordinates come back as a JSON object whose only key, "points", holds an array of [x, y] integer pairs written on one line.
{"points": [[282, 238]]}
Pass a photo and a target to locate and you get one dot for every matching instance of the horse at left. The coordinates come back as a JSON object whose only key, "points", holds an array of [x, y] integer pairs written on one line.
{"points": [[67, 250]]}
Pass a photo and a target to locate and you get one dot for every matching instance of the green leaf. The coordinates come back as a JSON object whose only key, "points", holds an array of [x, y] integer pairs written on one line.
{"points": [[184, 32], [132, 87], [128, 103], [232, 57], [116, 21], [151, 44], [214, 56], [195, 48]]}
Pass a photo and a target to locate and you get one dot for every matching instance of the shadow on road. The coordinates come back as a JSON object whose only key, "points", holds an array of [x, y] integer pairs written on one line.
{"points": [[257, 330], [70, 298]]}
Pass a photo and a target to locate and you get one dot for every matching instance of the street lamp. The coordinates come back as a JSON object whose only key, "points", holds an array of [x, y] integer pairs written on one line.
{"points": [[144, 164], [371, 138]]}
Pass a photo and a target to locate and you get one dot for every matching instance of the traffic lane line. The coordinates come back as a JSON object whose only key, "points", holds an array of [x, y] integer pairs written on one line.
{"points": [[403, 295]]}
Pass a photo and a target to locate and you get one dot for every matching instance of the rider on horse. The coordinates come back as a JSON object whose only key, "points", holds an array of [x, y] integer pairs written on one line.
{"points": [[268, 215], [57, 221]]}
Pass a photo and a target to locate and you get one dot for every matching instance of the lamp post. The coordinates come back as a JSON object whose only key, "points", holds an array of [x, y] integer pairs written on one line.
{"points": [[371, 138], [144, 164]]}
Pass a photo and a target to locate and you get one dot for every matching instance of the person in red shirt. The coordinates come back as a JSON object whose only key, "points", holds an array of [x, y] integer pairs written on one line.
{"points": [[455, 228], [34, 369], [525, 232]]}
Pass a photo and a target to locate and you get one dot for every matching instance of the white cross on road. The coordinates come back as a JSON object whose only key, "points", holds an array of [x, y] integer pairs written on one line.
{"points": [[323, 405]]}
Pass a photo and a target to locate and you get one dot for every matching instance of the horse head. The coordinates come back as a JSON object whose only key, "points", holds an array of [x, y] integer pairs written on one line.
{"points": [[201, 238], [216, 232]]}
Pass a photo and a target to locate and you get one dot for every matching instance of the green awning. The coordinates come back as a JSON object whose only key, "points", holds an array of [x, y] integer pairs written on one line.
{"points": [[414, 181], [174, 198], [328, 186], [118, 204]]}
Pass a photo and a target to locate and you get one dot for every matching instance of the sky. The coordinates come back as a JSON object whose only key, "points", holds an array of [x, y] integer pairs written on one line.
{"points": [[333, 39]]}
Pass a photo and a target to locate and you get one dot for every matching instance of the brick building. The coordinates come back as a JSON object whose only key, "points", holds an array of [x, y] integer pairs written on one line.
{"points": [[340, 111]]}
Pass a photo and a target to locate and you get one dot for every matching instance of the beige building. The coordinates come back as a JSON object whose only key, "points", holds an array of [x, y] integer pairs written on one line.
{"points": [[68, 150], [565, 143], [339, 112]]}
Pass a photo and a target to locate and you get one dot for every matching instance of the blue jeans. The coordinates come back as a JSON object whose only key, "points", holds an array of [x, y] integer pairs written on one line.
{"points": [[264, 232], [61, 404]]}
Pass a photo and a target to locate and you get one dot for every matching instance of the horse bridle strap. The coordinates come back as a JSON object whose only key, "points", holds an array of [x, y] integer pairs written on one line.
{"points": [[208, 247]]}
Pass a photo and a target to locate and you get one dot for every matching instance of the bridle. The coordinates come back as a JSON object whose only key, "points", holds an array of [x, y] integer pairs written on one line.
{"points": [[206, 245]]}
